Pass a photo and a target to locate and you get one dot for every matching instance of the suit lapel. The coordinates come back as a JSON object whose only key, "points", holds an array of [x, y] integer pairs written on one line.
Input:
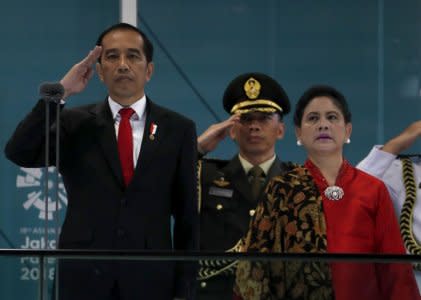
{"points": [[151, 142], [107, 138], [235, 173], [275, 170]]}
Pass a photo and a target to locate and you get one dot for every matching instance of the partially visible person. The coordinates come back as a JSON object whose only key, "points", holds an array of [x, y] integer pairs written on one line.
{"points": [[402, 176], [229, 189], [324, 206], [128, 166]]}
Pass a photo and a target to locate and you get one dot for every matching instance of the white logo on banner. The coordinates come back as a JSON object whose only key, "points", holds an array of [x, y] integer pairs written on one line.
{"points": [[33, 179], [34, 235]]}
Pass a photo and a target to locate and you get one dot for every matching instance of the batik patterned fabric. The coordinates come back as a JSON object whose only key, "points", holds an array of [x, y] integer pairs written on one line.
{"points": [[289, 220]]}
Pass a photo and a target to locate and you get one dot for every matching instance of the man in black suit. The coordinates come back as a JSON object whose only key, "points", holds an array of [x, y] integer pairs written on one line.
{"points": [[123, 185], [229, 190]]}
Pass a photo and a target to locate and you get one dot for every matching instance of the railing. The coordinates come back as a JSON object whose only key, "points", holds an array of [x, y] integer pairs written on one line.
{"points": [[36, 276]]}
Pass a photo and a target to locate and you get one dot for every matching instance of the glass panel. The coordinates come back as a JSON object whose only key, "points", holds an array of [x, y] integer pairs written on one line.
{"points": [[370, 50], [97, 275]]}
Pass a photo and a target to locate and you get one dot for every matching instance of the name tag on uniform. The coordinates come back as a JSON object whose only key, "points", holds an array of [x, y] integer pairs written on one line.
{"points": [[220, 192]]}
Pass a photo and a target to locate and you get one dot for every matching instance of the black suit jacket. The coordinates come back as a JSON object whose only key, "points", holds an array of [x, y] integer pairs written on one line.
{"points": [[226, 209], [101, 212]]}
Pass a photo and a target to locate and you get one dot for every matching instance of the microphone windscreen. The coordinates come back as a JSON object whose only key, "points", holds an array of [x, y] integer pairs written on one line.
{"points": [[51, 91]]}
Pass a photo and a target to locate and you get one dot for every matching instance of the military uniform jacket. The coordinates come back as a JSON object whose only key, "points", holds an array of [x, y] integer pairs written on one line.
{"points": [[226, 206]]}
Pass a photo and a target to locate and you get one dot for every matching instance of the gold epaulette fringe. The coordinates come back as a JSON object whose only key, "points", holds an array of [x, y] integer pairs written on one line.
{"points": [[212, 268], [407, 212]]}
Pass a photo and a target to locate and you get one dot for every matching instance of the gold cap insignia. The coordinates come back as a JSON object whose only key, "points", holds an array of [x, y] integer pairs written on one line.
{"points": [[252, 88]]}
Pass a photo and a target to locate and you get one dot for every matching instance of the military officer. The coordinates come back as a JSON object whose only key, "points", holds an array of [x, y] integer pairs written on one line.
{"points": [[230, 189], [402, 176]]}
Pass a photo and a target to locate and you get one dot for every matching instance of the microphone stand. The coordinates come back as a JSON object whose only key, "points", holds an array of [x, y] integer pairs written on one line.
{"points": [[57, 215], [51, 93], [44, 266], [46, 192]]}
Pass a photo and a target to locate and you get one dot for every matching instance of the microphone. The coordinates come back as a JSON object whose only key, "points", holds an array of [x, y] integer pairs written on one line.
{"points": [[51, 91]]}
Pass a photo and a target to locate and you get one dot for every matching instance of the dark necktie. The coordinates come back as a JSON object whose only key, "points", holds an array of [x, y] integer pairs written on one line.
{"points": [[256, 181], [125, 144]]}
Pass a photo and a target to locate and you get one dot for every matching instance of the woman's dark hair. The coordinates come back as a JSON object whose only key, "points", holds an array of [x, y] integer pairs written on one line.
{"points": [[320, 91], [147, 45]]}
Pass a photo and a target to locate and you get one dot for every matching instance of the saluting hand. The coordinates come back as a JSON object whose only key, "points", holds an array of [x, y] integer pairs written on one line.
{"points": [[404, 140], [209, 139], [78, 76]]}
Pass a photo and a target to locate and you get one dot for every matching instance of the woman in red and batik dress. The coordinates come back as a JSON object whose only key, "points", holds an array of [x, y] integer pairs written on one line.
{"points": [[324, 206]]}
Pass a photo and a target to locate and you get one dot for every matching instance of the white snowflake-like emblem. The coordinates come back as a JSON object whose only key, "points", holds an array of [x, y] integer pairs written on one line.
{"points": [[34, 178]]}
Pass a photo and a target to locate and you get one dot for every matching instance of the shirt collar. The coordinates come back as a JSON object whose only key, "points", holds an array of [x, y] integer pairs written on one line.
{"points": [[139, 107], [264, 165]]}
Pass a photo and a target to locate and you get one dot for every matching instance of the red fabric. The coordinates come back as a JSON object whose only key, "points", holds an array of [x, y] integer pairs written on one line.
{"points": [[363, 221], [125, 144]]}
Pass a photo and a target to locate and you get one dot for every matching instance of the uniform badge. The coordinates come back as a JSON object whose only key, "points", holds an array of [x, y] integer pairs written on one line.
{"points": [[252, 88], [221, 182], [220, 192]]}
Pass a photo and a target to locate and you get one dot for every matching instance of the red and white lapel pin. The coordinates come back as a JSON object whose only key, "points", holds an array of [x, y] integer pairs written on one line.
{"points": [[152, 131]]}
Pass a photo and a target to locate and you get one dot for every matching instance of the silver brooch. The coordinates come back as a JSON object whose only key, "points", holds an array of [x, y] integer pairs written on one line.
{"points": [[334, 193]]}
